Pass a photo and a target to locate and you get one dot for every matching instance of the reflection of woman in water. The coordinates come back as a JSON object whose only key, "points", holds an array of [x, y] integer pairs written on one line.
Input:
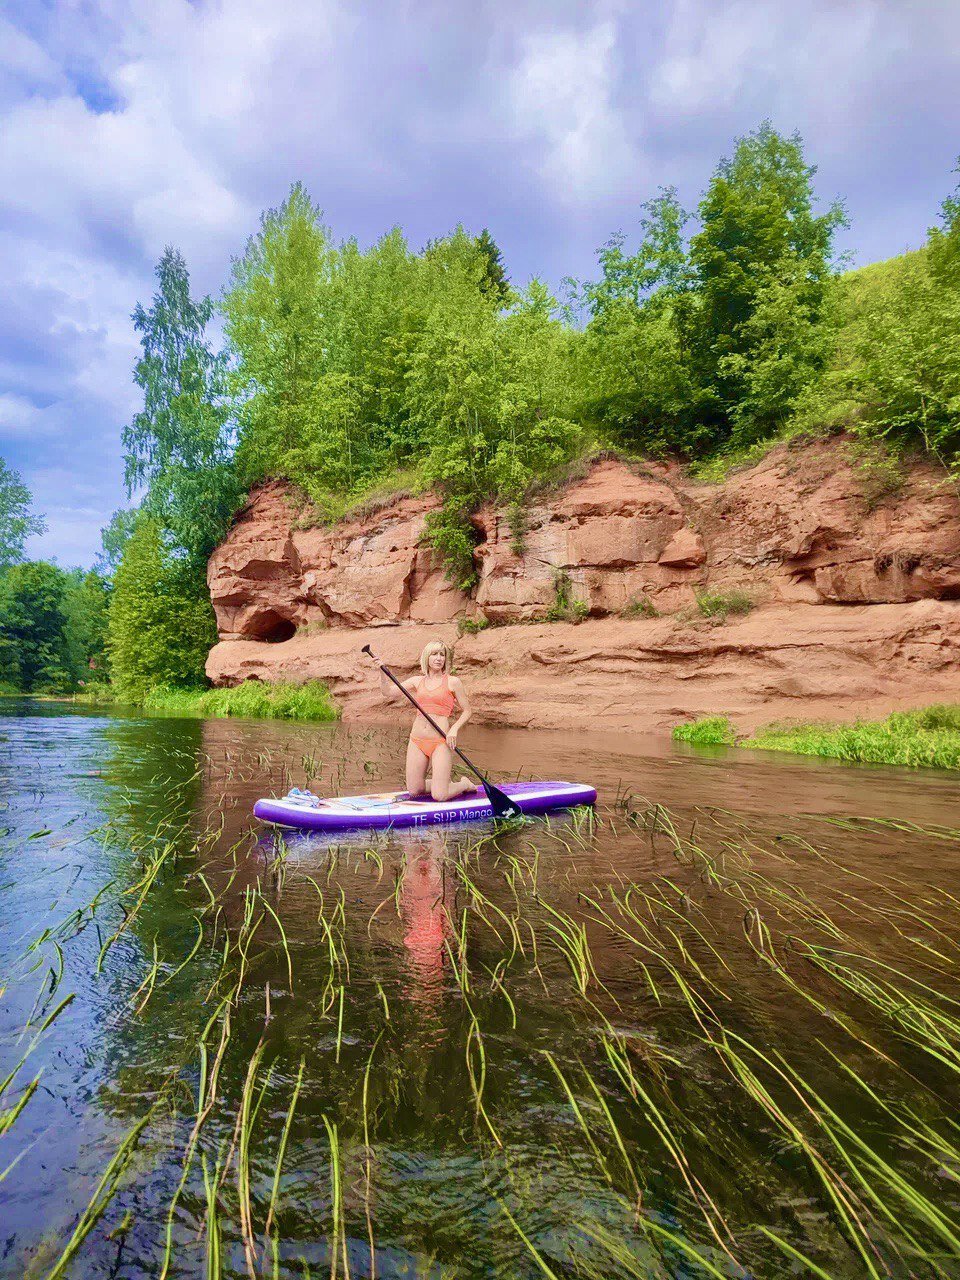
{"points": [[425, 909], [438, 692]]}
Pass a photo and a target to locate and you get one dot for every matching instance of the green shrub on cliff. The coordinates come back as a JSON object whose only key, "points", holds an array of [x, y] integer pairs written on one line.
{"points": [[326, 338], [490, 398], [694, 343]]}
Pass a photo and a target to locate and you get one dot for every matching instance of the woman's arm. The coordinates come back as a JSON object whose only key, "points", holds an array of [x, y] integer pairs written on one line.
{"points": [[466, 711], [389, 690]]}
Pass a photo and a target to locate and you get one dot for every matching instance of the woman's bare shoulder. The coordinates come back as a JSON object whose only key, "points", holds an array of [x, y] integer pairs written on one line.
{"points": [[455, 683]]}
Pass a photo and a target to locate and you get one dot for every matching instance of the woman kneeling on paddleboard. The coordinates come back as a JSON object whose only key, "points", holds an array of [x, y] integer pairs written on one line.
{"points": [[437, 692]]}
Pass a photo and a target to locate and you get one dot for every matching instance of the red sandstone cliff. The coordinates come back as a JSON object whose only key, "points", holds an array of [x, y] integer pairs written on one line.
{"points": [[858, 604]]}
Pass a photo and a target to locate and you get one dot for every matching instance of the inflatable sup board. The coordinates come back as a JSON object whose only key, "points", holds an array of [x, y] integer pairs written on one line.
{"points": [[394, 809]]}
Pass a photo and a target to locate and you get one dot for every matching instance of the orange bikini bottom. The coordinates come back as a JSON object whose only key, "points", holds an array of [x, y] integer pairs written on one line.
{"points": [[428, 745]]}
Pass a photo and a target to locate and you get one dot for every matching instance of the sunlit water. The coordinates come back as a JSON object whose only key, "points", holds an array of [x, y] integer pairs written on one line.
{"points": [[709, 1041]]}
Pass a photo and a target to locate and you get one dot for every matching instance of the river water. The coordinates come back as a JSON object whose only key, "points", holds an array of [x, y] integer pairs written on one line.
{"points": [[711, 1029]]}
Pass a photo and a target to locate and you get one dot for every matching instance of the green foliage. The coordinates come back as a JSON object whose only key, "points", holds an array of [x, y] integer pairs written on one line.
{"points": [[909, 360], [488, 395], [351, 365], [945, 241], [272, 309], [161, 624], [880, 470], [762, 266], [517, 520], [928, 737], [720, 604], [252, 700], [633, 373], [113, 540], [95, 693], [487, 398], [894, 374], [34, 653], [707, 731], [658, 273], [178, 445], [494, 280], [641, 606], [940, 715], [690, 346], [325, 338], [635, 382], [450, 531], [87, 613], [52, 626], [785, 342], [472, 626], [16, 521], [565, 607]]}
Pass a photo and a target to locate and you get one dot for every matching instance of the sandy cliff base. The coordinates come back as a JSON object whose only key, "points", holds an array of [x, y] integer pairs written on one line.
{"points": [[787, 662]]}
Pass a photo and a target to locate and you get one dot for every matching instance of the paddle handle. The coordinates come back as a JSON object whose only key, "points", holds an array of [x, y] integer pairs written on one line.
{"points": [[426, 715]]}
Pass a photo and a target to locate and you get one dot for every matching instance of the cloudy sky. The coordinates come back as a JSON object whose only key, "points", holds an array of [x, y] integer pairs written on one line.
{"points": [[125, 126]]}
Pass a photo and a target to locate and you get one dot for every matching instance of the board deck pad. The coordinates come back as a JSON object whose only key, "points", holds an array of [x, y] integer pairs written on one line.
{"points": [[391, 809]]}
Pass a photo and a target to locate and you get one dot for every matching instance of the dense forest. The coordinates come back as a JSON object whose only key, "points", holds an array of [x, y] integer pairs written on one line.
{"points": [[706, 335]]}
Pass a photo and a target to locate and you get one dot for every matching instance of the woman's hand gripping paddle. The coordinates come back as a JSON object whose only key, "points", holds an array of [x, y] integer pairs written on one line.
{"points": [[503, 806]]}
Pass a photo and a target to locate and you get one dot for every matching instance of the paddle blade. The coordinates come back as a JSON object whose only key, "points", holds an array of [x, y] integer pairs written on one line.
{"points": [[503, 806]]}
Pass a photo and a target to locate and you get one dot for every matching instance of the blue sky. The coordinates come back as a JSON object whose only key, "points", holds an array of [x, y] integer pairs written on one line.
{"points": [[126, 126]]}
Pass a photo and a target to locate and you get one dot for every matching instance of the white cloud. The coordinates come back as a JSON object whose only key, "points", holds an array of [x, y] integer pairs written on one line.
{"points": [[18, 417], [23, 62], [561, 94], [813, 60]]}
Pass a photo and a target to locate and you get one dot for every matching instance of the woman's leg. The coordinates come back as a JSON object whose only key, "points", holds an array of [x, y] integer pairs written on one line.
{"points": [[441, 788], [417, 764]]}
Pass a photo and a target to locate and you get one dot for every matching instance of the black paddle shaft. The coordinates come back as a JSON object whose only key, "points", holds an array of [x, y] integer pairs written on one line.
{"points": [[503, 806]]}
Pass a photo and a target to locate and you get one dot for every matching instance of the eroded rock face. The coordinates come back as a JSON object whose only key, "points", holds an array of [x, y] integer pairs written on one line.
{"points": [[270, 578], [796, 661], [794, 529]]}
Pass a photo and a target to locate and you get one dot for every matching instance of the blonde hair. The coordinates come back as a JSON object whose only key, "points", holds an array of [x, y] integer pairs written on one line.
{"points": [[436, 646]]}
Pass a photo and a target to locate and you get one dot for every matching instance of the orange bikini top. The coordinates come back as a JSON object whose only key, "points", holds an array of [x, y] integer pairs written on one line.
{"points": [[438, 702]]}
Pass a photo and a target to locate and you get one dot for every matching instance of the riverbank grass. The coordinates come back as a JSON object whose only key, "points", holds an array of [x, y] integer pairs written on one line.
{"points": [[252, 700], [709, 731], [926, 738]]}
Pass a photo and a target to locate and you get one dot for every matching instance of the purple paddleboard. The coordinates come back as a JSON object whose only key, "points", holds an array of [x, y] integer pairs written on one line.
{"points": [[395, 808]]}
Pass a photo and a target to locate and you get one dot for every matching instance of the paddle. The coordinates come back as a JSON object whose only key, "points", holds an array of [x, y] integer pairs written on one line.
{"points": [[503, 806]]}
